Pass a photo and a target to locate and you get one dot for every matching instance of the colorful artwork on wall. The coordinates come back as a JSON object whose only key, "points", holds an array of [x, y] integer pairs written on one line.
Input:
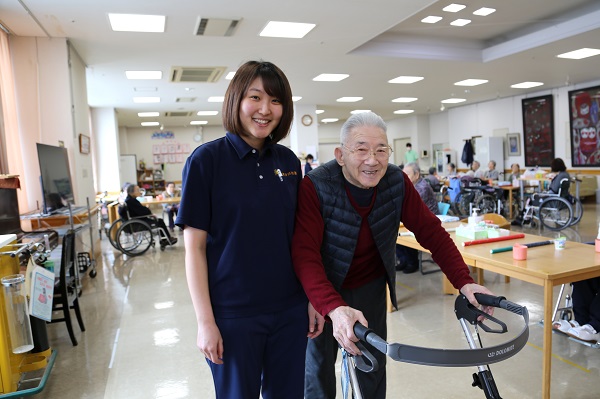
{"points": [[538, 130], [584, 120]]}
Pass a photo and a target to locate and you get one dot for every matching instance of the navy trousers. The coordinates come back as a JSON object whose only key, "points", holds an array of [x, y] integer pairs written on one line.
{"points": [[264, 353], [321, 353], [586, 302]]}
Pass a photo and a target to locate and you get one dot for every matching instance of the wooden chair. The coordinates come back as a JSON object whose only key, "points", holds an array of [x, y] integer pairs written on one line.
{"points": [[66, 289]]}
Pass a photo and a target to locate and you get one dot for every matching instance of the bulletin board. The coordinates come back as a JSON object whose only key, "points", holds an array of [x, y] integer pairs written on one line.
{"points": [[170, 152]]}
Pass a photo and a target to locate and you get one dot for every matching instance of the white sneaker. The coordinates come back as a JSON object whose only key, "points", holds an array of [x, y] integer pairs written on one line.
{"points": [[584, 333], [564, 325]]}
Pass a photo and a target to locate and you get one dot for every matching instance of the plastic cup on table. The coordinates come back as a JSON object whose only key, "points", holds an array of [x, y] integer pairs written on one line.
{"points": [[519, 252]]}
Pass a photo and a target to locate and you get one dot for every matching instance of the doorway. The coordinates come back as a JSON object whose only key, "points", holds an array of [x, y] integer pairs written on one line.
{"points": [[400, 150]]}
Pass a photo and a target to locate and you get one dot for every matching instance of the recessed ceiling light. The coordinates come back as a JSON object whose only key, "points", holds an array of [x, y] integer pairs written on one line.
{"points": [[406, 79], [471, 82], [296, 98], [230, 75], [460, 22], [404, 99], [150, 123], [329, 120], [526, 85], [137, 23], [319, 111], [579, 54], [330, 77], [348, 99], [453, 100], [216, 99], [293, 30], [360, 111], [207, 113], [146, 100], [143, 74], [484, 11], [189, 89], [404, 111], [432, 19], [198, 122], [454, 7], [147, 114]]}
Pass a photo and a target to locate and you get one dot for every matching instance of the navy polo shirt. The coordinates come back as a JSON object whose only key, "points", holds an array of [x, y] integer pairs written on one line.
{"points": [[246, 202]]}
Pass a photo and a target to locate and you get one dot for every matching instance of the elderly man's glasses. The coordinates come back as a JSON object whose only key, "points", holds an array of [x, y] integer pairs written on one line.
{"points": [[362, 153]]}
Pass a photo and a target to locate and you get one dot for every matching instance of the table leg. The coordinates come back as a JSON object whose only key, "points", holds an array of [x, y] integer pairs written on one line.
{"points": [[510, 200], [547, 346]]}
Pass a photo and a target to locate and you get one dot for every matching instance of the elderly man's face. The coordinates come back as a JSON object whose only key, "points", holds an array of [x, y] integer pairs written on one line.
{"points": [[412, 175], [364, 173], [475, 165]]}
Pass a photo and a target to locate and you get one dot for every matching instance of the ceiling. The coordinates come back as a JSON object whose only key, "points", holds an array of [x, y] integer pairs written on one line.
{"points": [[372, 41]]}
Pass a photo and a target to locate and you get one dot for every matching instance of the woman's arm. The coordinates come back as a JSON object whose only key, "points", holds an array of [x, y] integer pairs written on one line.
{"points": [[209, 338]]}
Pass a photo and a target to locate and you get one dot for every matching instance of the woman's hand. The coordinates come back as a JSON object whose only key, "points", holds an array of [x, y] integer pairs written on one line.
{"points": [[315, 322], [210, 342]]}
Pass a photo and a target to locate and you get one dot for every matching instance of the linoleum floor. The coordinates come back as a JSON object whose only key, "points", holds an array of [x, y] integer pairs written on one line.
{"points": [[141, 332]]}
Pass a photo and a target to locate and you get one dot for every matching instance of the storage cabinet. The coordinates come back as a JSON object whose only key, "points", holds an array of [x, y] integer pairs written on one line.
{"points": [[151, 180]]}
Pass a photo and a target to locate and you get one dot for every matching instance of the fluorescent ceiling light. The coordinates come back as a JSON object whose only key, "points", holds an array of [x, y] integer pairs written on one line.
{"points": [[137, 23], [579, 54], [230, 75], [460, 22], [526, 85], [150, 123], [360, 111], [404, 111], [348, 99], [453, 100], [484, 11], [198, 122], [406, 79], [432, 19], [404, 99], [296, 98], [319, 111], [207, 113], [140, 100], [471, 82], [329, 120], [216, 99], [143, 74], [330, 77], [147, 114], [454, 7], [293, 30]]}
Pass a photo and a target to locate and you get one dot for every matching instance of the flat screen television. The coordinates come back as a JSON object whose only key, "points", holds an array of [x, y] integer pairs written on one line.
{"points": [[10, 221], [55, 177]]}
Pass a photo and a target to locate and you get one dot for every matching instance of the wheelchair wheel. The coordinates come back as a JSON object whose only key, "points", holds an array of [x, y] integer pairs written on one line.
{"points": [[134, 237], [462, 204], [486, 204], [555, 213], [577, 211], [111, 233], [506, 208]]}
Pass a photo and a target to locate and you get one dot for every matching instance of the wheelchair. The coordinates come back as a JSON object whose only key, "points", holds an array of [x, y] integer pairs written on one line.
{"points": [[134, 235], [556, 211]]}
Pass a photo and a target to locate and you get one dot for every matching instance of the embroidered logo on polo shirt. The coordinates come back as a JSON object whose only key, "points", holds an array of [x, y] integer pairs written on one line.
{"points": [[279, 173]]}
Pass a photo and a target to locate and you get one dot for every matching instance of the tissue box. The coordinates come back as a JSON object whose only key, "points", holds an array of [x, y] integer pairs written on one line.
{"points": [[472, 232], [493, 233]]}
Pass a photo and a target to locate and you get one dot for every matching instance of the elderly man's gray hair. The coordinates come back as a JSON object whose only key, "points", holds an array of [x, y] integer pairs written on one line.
{"points": [[361, 119], [414, 167]]}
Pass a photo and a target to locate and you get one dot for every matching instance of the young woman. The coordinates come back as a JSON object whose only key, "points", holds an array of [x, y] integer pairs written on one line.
{"points": [[237, 210]]}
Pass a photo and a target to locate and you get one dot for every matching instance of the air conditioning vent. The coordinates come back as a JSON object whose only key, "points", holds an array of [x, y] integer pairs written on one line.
{"points": [[185, 99], [215, 27], [197, 74], [179, 113]]}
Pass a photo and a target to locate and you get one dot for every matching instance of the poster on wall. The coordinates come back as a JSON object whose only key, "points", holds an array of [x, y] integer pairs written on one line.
{"points": [[583, 118], [538, 130]]}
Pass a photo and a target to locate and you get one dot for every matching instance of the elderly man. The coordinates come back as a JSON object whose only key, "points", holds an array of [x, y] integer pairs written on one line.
{"points": [[492, 173], [347, 220], [408, 258]]}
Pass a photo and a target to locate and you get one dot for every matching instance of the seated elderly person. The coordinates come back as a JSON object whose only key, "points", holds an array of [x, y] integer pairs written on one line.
{"points": [[432, 177], [408, 258], [171, 209], [492, 173], [136, 209]]}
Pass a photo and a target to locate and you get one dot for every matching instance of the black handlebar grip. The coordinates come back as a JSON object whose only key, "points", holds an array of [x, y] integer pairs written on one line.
{"points": [[361, 331], [489, 300]]}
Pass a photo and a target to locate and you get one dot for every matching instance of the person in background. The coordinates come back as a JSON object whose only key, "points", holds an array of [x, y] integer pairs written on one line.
{"points": [[408, 258], [237, 211], [344, 246], [492, 173], [171, 209], [451, 169], [136, 209], [307, 166], [410, 155], [586, 308], [515, 172], [432, 177], [476, 171]]}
